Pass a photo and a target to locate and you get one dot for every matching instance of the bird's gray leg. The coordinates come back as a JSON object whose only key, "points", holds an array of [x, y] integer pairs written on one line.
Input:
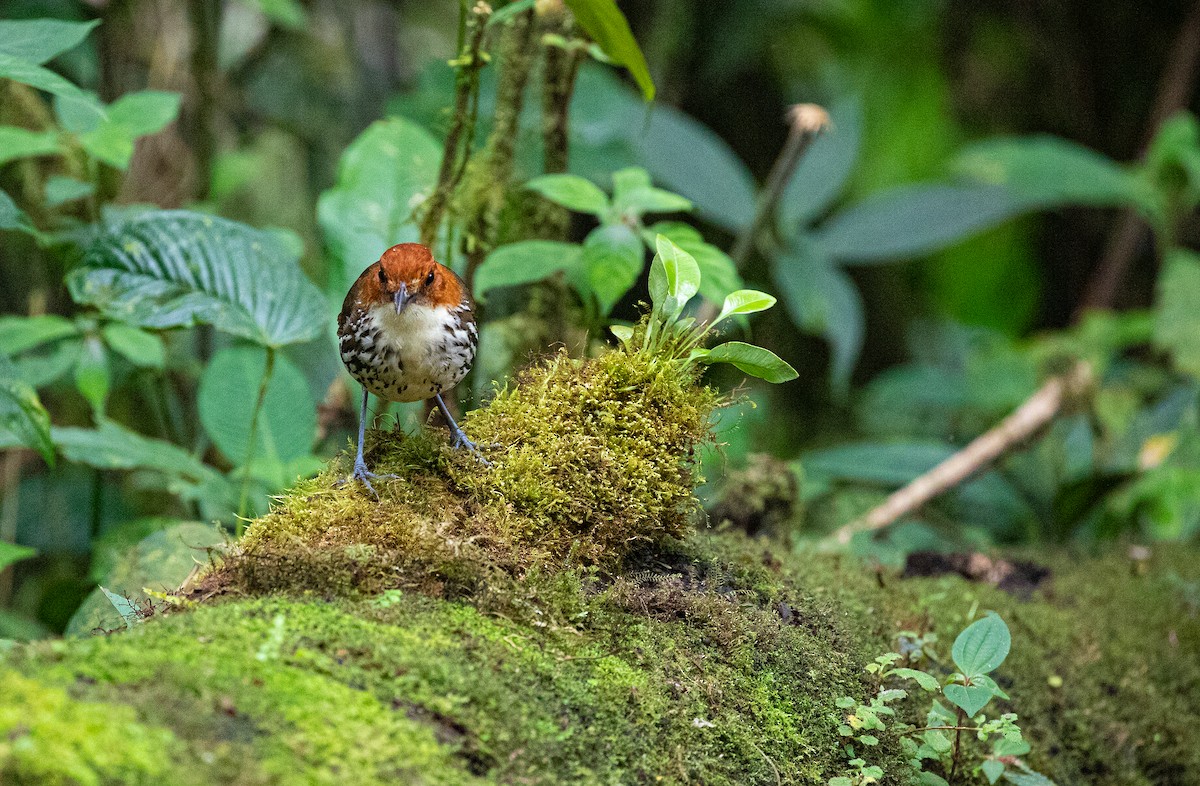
{"points": [[361, 472], [460, 439]]}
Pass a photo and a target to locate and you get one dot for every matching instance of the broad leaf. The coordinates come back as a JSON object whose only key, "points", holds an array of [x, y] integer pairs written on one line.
{"points": [[92, 375], [1045, 171], [718, 274], [926, 680], [992, 769], [60, 190], [22, 413], [11, 553], [27, 73], [22, 143], [41, 40], [674, 277], [126, 609], [982, 647], [228, 393], [173, 268], [131, 116], [20, 334], [384, 177], [755, 361], [572, 192], [603, 21], [525, 262], [613, 258], [823, 171], [633, 194], [12, 217], [744, 301], [1177, 318], [285, 13], [915, 220], [821, 299], [969, 698], [136, 345]]}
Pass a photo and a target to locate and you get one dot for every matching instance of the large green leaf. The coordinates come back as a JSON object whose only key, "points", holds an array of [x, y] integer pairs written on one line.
{"points": [[982, 646], [384, 177], [572, 192], [110, 139], [755, 361], [970, 698], [11, 552], [41, 40], [744, 301], [613, 258], [525, 262], [821, 299], [604, 22], [20, 334], [229, 387], [22, 413], [173, 268], [1045, 171], [718, 274], [825, 167], [914, 220], [27, 73], [22, 143], [1177, 317]]}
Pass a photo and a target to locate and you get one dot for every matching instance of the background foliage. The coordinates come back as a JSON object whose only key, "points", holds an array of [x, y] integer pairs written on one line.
{"points": [[187, 191]]}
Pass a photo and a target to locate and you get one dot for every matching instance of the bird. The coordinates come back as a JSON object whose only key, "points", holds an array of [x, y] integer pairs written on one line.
{"points": [[407, 332]]}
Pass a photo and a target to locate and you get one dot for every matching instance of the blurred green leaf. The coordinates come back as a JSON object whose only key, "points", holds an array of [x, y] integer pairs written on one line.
{"points": [[60, 190], [131, 116], [525, 262], [285, 13], [20, 334], [752, 360], [1177, 316], [22, 143], [11, 553], [633, 194], [823, 171], [92, 376], [1046, 171], [12, 217], [173, 268], [821, 299], [136, 345], [27, 73], [613, 258], [911, 221], [22, 413], [41, 40], [981, 647], [572, 192], [603, 21], [228, 392], [1174, 156], [384, 176]]}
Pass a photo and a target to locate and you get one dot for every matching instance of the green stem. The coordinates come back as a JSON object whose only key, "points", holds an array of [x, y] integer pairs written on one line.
{"points": [[258, 405]]}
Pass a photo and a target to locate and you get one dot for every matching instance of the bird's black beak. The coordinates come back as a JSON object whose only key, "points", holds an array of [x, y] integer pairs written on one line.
{"points": [[401, 298]]}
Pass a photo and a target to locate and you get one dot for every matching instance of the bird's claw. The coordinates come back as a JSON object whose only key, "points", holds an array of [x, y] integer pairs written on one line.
{"points": [[461, 441], [363, 475]]}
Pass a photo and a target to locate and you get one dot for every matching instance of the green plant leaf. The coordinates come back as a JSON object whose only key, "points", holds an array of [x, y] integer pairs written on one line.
{"points": [[970, 698], [27, 73], [613, 258], [22, 413], [924, 679], [674, 277], [822, 300], [572, 192], [11, 553], [633, 194], [20, 334], [384, 177], [525, 262], [136, 345], [289, 14], [623, 332], [823, 171], [1045, 171], [228, 392], [718, 274], [12, 217], [744, 301], [60, 190], [755, 361], [173, 268], [92, 376], [914, 220], [1027, 778], [22, 143], [1177, 316], [931, 779], [992, 769], [131, 116], [41, 40], [982, 647], [124, 606], [603, 21]]}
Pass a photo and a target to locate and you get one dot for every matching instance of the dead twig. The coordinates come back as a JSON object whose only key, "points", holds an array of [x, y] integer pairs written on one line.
{"points": [[1029, 418]]}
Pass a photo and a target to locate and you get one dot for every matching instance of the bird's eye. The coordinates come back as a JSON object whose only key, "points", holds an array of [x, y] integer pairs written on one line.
{"points": [[382, 277], [429, 278]]}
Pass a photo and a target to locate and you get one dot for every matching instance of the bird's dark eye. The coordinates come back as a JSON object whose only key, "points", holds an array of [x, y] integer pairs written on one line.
{"points": [[429, 278], [382, 277]]}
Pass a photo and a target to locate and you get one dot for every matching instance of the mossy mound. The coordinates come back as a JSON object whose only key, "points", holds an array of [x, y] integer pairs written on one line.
{"points": [[590, 460], [720, 665]]}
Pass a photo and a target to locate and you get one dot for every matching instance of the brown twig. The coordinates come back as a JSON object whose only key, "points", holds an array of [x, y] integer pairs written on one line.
{"points": [[1175, 88], [806, 121], [1029, 418]]}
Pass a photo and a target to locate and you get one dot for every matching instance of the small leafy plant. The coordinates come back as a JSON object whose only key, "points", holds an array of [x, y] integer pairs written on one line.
{"points": [[944, 741], [675, 279]]}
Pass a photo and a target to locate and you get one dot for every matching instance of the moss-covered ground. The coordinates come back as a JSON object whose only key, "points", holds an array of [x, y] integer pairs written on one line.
{"points": [[473, 625]]}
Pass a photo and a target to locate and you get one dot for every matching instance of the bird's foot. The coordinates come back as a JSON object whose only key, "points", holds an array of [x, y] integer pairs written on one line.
{"points": [[363, 475], [461, 441]]}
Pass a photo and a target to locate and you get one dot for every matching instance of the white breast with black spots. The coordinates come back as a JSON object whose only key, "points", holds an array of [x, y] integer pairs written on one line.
{"points": [[410, 356]]}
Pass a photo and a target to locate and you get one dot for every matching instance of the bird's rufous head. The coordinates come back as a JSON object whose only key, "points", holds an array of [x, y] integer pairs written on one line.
{"points": [[407, 274]]}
